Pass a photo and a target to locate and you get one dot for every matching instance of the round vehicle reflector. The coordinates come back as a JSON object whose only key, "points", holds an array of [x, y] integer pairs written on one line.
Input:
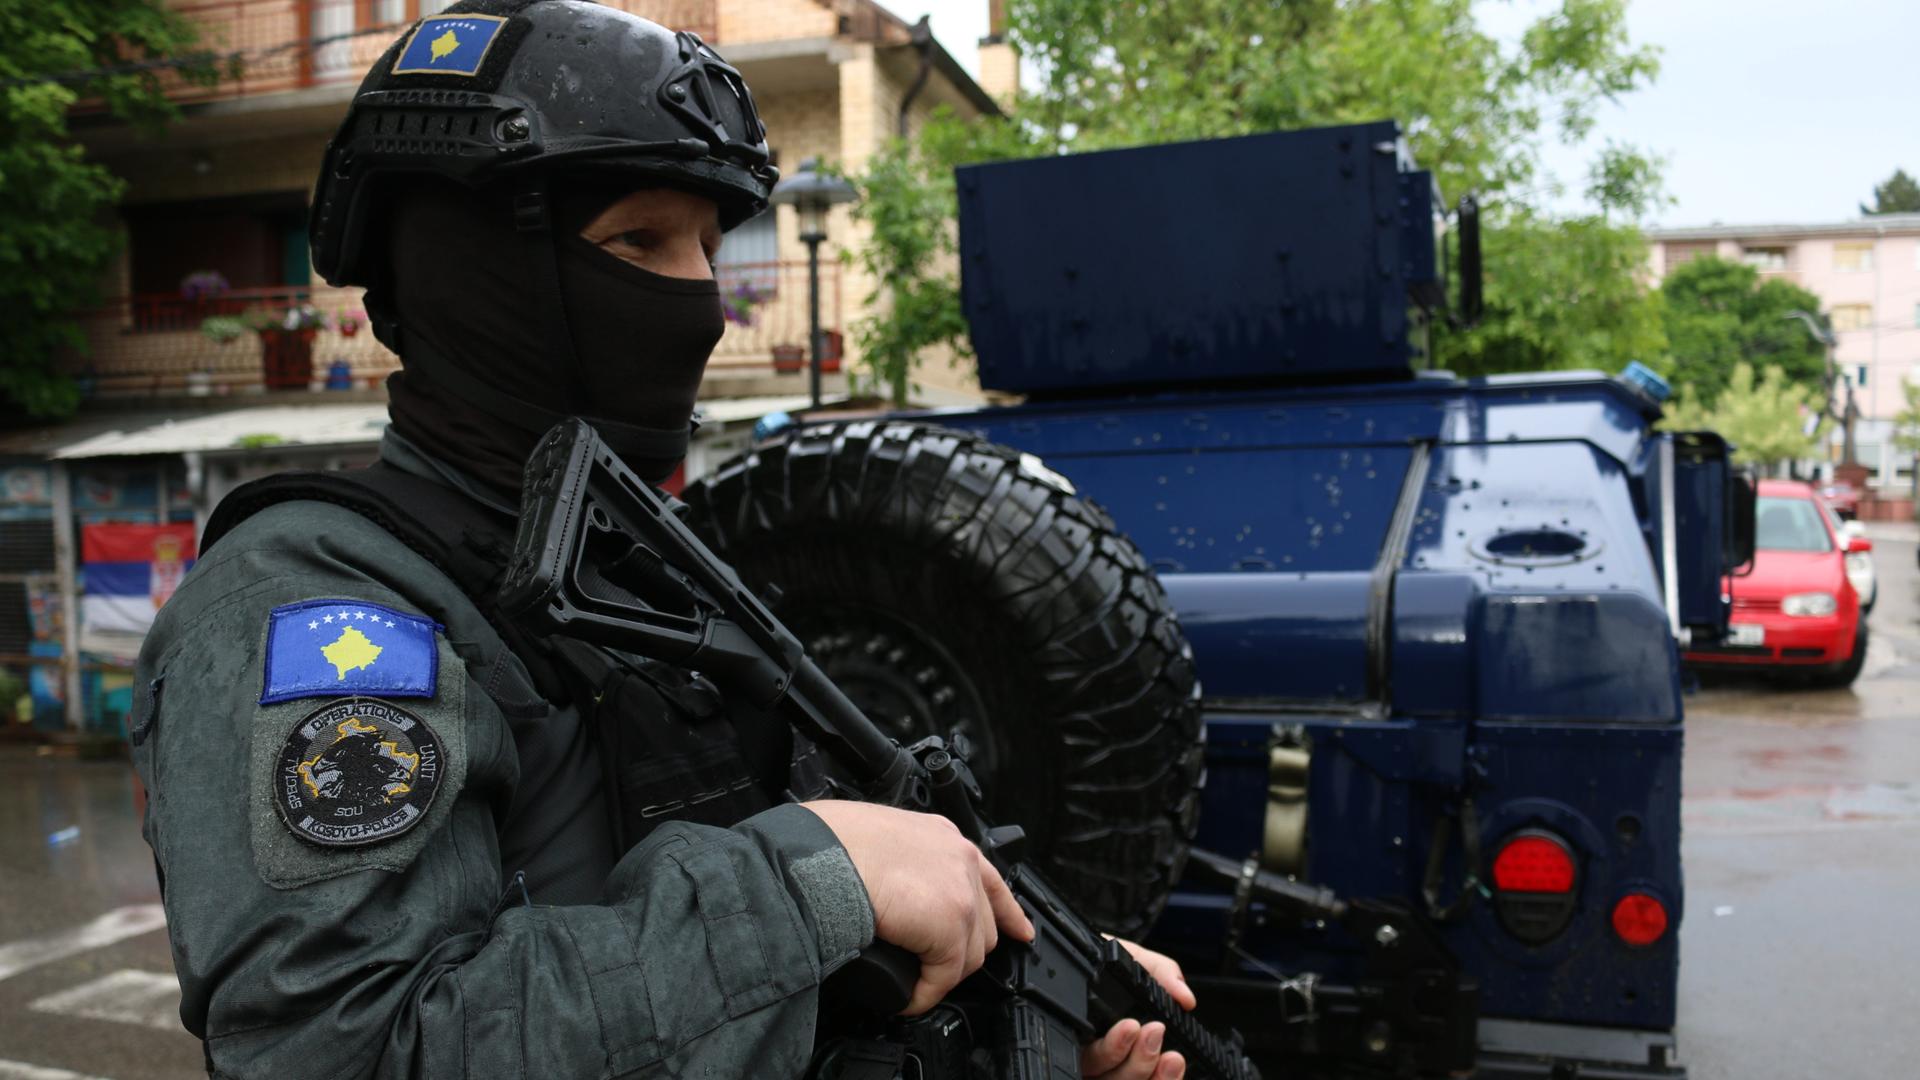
{"points": [[1534, 863], [1639, 919]]}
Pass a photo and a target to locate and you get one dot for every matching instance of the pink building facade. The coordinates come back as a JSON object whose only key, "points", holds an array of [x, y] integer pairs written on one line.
{"points": [[1867, 276]]}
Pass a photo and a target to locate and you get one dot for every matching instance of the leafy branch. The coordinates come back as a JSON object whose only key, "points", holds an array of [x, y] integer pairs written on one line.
{"points": [[1475, 111], [56, 241]]}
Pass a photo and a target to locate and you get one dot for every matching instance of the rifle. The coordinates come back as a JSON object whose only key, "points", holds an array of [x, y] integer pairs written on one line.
{"points": [[599, 556]]}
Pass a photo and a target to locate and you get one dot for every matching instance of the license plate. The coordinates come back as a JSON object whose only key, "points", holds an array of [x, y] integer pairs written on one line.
{"points": [[1746, 634]]}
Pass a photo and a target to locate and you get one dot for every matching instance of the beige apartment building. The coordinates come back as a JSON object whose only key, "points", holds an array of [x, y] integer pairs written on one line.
{"points": [[226, 190], [175, 420], [1867, 276]]}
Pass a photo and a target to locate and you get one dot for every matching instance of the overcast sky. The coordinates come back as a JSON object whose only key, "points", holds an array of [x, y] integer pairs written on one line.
{"points": [[1765, 110]]}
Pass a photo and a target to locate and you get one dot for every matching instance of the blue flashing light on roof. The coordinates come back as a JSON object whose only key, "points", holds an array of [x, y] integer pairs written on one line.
{"points": [[1648, 381]]}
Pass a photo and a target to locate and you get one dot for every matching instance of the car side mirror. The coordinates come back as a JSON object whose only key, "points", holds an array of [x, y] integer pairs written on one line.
{"points": [[1859, 545]]}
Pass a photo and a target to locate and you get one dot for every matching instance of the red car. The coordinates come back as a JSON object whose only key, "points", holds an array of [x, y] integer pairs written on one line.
{"points": [[1796, 611]]}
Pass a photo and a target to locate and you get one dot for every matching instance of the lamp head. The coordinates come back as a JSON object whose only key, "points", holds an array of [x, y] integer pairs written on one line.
{"points": [[812, 192]]}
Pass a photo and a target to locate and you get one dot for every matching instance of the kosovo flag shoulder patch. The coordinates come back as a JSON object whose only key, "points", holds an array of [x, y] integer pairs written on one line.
{"points": [[333, 648], [449, 45]]}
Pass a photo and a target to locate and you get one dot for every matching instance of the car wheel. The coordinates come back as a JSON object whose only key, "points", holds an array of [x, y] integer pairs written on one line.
{"points": [[1843, 673], [946, 583]]}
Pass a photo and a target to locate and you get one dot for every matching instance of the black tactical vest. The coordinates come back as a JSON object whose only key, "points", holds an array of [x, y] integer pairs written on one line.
{"points": [[645, 743]]}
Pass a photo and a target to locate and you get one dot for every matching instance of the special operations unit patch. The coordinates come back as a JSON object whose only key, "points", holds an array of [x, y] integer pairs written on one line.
{"points": [[327, 648], [357, 772], [449, 45]]}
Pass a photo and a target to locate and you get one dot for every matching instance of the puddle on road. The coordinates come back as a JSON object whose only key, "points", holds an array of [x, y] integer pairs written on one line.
{"points": [[1782, 705], [1802, 808], [1777, 757], [73, 827], [1888, 689]]}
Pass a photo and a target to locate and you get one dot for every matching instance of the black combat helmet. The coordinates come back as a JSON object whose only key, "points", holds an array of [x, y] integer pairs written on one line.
{"points": [[504, 91], [520, 100]]}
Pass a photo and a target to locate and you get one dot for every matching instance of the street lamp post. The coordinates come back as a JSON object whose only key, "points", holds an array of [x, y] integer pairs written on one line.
{"points": [[812, 193], [1848, 413]]}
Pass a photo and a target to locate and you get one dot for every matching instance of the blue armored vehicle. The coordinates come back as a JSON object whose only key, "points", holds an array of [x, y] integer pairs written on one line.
{"points": [[1353, 684]]}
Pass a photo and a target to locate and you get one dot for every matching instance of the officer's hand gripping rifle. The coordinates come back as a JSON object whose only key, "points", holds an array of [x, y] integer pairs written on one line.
{"points": [[600, 557]]}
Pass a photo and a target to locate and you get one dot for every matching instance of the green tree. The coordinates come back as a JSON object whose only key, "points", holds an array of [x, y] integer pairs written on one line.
{"points": [[1765, 420], [1719, 314], [1906, 424], [56, 239], [1899, 195], [1474, 111], [917, 303], [1561, 293]]}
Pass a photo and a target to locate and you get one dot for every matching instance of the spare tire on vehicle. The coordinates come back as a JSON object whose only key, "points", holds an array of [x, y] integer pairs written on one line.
{"points": [[947, 583]]}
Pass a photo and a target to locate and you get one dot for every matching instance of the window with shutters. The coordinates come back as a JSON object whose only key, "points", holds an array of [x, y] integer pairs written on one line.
{"points": [[751, 254], [256, 243], [1853, 256], [1681, 254], [1852, 316]]}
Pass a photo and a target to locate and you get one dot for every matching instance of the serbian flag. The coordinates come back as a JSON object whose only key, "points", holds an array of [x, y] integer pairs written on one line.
{"points": [[130, 571]]}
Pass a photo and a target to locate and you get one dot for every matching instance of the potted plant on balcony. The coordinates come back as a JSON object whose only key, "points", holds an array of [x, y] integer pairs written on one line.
{"points": [[286, 342], [738, 302], [221, 330], [201, 287], [788, 359], [286, 348]]}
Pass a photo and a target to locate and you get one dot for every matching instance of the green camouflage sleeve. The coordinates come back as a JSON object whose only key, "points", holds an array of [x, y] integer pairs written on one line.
{"points": [[385, 947]]}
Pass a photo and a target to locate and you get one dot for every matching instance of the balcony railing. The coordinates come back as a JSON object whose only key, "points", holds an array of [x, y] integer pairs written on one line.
{"points": [[140, 345], [269, 46], [780, 319], [143, 345]]}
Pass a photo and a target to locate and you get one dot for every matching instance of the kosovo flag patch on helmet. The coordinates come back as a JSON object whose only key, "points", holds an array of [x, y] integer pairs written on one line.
{"points": [[333, 648], [449, 45]]}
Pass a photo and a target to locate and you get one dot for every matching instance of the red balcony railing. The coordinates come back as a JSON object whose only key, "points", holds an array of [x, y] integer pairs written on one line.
{"points": [[155, 345], [268, 46]]}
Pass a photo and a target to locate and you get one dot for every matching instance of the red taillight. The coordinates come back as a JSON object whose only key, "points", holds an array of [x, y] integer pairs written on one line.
{"points": [[1639, 919], [1533, 863], [1534, 881]]}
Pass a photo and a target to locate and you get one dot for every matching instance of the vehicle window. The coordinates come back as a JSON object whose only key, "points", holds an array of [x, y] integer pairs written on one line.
{"points": [[1829, 515], [1790, 525]]}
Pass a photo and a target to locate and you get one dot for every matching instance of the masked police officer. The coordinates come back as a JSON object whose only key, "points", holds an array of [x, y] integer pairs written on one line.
{"points": [[395, 836]]}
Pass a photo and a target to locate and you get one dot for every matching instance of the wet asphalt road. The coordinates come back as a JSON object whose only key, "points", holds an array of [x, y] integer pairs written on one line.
{"points": [[71, 920], [1802, 859], [1802, 848]]}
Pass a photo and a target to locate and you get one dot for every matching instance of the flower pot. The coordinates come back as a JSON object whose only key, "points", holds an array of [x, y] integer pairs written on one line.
{"points": [[831, 345], [788, 359], [286, 359]]}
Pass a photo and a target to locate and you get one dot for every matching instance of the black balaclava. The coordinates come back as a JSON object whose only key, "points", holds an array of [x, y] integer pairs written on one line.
{"points": [[463, 289]]}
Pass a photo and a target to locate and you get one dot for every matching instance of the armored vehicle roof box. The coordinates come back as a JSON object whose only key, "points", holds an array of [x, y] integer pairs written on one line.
{"points": [[1302, 255]]}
